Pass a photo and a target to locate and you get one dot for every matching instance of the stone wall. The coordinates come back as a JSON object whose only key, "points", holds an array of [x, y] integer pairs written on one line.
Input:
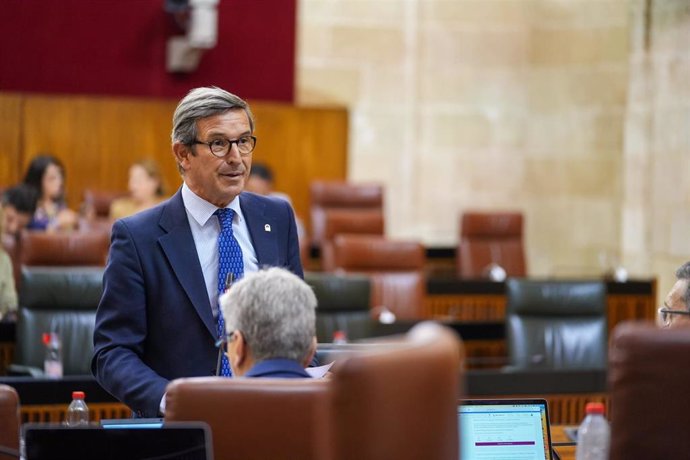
{"points": [[655, 230], [513, 104]]}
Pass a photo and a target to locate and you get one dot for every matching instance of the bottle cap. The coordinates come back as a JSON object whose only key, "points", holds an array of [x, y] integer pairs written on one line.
{"points": [[78, 395], [594, 408]]}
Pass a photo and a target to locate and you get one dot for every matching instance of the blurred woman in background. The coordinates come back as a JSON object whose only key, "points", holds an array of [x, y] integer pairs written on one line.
{"points": [[46, 175], [8, 292], [145, 190]]}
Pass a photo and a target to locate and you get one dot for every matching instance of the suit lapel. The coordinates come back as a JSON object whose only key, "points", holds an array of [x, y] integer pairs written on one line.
{"points": [[262, 229], [178, 246]]}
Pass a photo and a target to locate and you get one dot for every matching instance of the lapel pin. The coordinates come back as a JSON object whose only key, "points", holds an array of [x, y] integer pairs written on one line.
{"points": [[267, 228]]}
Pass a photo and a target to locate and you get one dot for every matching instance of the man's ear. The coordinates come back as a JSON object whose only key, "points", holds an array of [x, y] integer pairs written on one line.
{"points": [[310, 354], [240, 349], [182, 153]]}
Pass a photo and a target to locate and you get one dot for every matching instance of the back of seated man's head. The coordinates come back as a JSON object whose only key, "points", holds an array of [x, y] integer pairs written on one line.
{"points": [[19, 205], [676, 309], [271, 314]]}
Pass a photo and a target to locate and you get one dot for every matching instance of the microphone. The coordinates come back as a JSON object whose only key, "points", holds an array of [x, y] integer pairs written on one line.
{"points": [[229, 278]]}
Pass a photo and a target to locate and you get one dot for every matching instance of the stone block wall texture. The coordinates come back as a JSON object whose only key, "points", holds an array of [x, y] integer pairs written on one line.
{"points": [[574, 112]]}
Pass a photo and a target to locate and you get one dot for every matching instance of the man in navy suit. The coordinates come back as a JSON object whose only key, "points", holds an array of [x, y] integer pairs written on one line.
{"points": [[270, 320], [158, 318]]}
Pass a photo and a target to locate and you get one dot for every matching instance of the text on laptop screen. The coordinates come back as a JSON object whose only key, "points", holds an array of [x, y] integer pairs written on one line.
{"points": [[504, 431]]}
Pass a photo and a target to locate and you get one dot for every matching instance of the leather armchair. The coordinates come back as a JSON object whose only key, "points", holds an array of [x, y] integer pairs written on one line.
{"points": [[62, 300], [649, 371], [257, 418], [73, 248], [556, 324], [396, 269], [343, 304], [9, 421], [327, 195], [100, 200], [397, 400], [490, 238], [348, 221], [401, 401]]}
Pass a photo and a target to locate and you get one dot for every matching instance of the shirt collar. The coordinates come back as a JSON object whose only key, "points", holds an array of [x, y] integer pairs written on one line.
{"points": [[201, 210]]}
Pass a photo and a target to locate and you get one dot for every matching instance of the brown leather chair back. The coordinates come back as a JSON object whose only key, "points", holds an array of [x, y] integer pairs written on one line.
{"points": [[649, 371], [100, 200], [400, 402], [257, 418], [396, 269], [325, 195], [487, 238], [9, 420], [73, 248], [348, 221]]}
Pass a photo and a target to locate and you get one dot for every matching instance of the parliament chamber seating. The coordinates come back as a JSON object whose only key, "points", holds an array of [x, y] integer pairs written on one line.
{"points": [[488, 238], [650, 402], [64, 248], [347, 221], [9, 421], [401, 401], [343, 304], [556, 324], [62, 300], [329, 195], [99, 201], [396, 269], [257, 418], [394, 401]]}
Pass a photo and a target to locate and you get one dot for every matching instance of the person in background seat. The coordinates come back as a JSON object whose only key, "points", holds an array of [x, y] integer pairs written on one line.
{"points": [[18, 206], [676, 309], [8, 291], [145, 190], [261, 182], [270, 320], [46, 175]]}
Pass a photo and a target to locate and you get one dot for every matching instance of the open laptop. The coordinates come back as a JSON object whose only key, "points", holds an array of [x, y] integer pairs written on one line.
{"points": [[171, 441], [502, 429]]}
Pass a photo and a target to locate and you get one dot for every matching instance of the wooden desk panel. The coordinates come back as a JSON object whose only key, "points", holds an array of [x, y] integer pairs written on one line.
{"points": [[640, 304], [558, 436]]}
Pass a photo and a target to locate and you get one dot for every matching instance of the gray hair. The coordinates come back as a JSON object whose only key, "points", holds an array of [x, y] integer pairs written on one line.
{"points": [[276, 312], [683, 273], [203, 103]]}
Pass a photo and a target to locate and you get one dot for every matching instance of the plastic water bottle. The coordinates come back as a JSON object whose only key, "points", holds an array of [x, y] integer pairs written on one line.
{"points": [[339, 338], [52, 365], [594, 434], [77, 412]]}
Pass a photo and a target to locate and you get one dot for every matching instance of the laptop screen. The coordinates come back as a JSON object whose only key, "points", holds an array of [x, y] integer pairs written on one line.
{"points": [[179, 441], [515, 429]]}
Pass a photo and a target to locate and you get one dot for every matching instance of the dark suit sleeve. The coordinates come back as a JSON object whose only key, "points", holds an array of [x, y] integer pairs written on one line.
{"points": [[294, 260], [121, 328]]}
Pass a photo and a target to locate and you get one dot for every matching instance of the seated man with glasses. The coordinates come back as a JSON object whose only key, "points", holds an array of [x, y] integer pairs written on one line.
{"points": [[270, 319], [676, 309]]}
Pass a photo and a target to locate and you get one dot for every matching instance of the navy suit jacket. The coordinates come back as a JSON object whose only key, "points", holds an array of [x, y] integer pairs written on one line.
{"points": [[154, 321]]}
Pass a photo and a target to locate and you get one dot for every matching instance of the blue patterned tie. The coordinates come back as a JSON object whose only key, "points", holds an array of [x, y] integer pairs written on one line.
{"points": [[229, 261]]}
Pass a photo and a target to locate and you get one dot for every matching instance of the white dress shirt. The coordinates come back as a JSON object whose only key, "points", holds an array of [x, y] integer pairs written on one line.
{"points": [[205, 230]]}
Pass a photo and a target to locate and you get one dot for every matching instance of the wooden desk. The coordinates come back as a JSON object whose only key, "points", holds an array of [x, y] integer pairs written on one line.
{"points": [[480, 300], [558, 436], [45, 400]]}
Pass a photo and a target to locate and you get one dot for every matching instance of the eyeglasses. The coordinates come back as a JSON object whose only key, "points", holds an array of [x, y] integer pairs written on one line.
{"points": [[665, 315], [224, 341], [221, 147]]}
